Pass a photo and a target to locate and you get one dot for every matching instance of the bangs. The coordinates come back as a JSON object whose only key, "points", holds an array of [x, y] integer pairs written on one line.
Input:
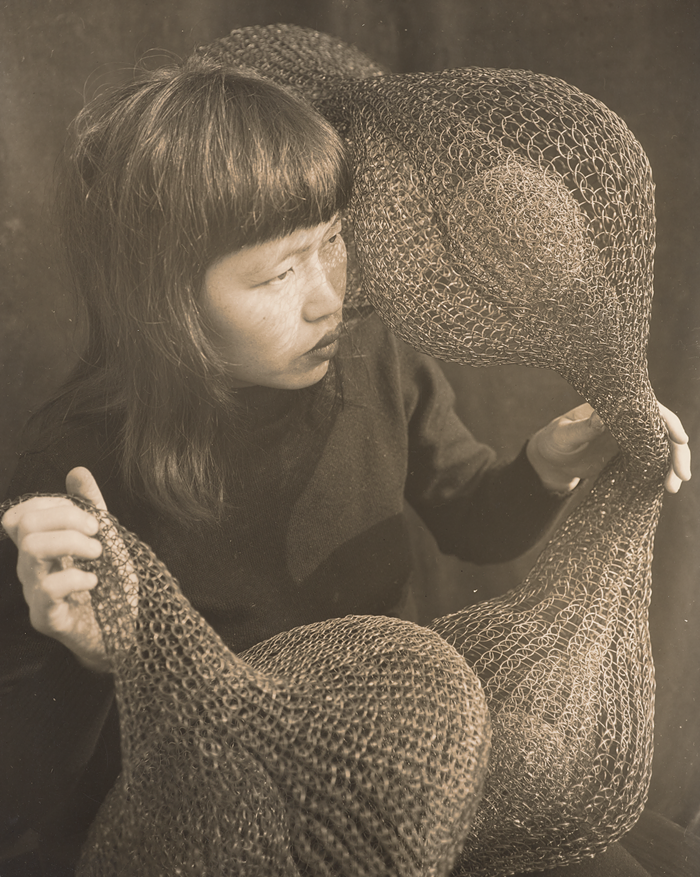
{"points": [[255, 162], [184, 166], [161, 177]]}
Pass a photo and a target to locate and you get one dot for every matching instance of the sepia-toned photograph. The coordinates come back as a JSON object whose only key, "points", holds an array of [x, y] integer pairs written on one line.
{"points": [[349, 379]]}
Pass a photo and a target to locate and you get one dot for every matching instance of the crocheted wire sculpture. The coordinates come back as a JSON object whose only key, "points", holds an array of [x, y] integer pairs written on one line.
{"points": [[499, 216]]}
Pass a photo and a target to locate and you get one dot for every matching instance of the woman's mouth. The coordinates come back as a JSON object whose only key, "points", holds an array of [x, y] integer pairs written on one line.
{"points": [[329, 342]]}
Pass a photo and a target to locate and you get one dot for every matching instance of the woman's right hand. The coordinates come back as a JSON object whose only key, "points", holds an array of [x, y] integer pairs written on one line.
{"points": [[48, 533]]}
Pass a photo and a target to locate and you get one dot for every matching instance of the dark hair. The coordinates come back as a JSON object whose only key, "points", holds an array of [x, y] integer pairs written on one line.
{"points": [[162, 177]]}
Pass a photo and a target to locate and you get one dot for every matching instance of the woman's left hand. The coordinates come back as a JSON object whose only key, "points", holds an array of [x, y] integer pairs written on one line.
{"points": [[578, 444]]}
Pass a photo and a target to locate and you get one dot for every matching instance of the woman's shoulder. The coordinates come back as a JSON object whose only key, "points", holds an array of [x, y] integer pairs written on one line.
{"points": [[368, 358], [371, 342], [381, 371], [380, 352]]}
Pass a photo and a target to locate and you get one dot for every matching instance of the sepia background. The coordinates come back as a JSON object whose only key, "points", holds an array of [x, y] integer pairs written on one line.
{"points": [[640, 57]]}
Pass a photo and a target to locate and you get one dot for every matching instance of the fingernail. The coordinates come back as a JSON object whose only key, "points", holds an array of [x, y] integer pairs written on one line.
{"points": [[596, 422]]}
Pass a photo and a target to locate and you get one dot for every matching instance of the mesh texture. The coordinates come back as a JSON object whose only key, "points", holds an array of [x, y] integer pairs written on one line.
{"points": [[311, 753], [498, 217]]}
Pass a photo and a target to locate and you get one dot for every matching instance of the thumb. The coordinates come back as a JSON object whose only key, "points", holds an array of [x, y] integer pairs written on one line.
{"points": [[577, 429], [80, 483]]}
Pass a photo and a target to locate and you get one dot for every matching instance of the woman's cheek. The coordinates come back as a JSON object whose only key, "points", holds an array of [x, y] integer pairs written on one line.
{"points": [[335, 264], [274, 319]]}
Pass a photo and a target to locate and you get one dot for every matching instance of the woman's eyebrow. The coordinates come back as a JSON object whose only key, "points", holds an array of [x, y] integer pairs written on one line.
{"points": [[268, 265], [299, 251]]}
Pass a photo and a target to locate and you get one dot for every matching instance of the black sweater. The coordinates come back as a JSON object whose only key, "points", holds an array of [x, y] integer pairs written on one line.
{"points": [[315, 530]]}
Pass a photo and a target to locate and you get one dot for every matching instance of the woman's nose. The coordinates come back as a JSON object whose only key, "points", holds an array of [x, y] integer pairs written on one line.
{"points": [[325, 292]]}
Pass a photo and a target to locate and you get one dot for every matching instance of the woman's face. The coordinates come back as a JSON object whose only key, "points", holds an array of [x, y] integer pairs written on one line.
{"points": [[276, 307]]}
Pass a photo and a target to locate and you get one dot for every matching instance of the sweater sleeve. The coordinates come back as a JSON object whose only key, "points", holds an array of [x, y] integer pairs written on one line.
{"points": [[478, 509], [53, 709]]}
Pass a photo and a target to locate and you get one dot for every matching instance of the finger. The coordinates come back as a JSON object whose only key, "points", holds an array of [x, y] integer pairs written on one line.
{"points": [[673, 425], [672, 482], [574, 435], [66, 607], [60, 584], [80, 482], [581, 412], [680, 461], [48, 547], [66, 516], [13, 517]]}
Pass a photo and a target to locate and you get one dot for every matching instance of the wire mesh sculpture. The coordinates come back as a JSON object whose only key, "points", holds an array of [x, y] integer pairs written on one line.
{"points": [[498, 217]]}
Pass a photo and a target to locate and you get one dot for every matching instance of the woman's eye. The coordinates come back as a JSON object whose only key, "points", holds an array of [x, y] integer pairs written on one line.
{"points": [[334, 238], [280, 277]]}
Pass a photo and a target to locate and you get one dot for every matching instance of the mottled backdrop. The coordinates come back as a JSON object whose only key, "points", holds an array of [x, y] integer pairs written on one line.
{"points": [[640, 57]]}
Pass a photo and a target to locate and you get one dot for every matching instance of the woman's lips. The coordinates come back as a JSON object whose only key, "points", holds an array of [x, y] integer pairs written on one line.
{"points": [[328, 339]]}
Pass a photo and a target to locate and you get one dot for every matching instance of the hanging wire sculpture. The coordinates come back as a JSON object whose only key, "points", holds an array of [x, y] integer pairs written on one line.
{"points": [[498, 217]]}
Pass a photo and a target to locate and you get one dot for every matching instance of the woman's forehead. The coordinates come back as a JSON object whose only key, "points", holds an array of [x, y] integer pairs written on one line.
{"points": [[259, 257]]}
